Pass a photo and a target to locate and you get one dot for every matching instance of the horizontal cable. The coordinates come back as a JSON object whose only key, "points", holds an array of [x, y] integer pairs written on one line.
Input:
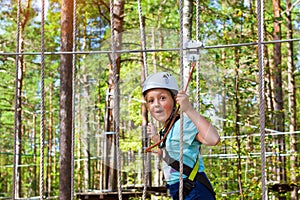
{"points": [[251, 155], [147, 50], [273, 132], [204, 155], [258, 134]]}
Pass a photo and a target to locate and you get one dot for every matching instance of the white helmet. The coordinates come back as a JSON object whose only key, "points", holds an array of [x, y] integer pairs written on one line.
{"points": [[162, 80]]}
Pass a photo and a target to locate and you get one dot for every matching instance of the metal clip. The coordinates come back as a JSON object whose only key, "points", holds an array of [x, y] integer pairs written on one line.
{"points": [[192, 48]]}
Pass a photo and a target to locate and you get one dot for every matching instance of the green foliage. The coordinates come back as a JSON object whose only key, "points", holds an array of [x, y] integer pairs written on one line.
{"points": [[220, 23]]}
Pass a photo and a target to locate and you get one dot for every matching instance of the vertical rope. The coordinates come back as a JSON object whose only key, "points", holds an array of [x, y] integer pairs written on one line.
{"points": [[73, 96], [181, 114], [116, 97], [16, 137], [143, 42], [42, 123], [197, 20], [143, 38], [198, 62], [260, 21]]}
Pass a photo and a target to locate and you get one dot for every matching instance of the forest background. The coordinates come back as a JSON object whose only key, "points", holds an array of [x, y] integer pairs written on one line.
{"points": [[227, 95]]}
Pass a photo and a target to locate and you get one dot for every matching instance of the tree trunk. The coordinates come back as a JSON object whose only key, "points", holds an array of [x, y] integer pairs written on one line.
{"points": [[154, 57], [187, 28], [85, 117], [237, 126], [224, 114], [35, 179], [66, 90], [277, 92], [292, 100], [78, 167], [86, 130], [110, 171], [18, 157], [50, 139], [270, 115], [18, 118], [146, 141], [99, 139]]}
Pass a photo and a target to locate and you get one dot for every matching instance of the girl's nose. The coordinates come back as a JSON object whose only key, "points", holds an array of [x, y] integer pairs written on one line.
{"points": [[156, 103]]}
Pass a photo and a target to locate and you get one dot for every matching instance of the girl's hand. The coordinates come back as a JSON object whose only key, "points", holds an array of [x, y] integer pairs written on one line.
{"points": [[183, 100], [207, 134], [152, 132]]}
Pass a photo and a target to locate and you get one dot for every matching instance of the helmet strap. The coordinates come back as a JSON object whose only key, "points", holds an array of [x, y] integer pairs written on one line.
{"points": [[171, 117]]}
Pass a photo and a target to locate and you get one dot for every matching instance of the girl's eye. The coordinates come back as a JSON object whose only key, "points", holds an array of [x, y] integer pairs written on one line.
{"points": [[150, 101]]}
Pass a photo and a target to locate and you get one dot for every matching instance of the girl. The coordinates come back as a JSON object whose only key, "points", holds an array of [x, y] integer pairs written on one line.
{"points": [[160, 91]]}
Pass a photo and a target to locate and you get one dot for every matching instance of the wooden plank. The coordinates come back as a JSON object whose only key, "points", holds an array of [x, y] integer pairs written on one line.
{"points": [[130, 192], [107, 195]]}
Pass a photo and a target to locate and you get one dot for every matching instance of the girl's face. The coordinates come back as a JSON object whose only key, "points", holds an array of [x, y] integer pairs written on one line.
{"points": [[160, 103]]}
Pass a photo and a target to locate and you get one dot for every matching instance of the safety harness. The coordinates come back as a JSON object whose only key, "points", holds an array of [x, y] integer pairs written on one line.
{"points": [[191, 173]]}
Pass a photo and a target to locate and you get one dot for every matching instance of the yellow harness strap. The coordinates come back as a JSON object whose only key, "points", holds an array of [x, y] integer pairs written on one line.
{"points": [[194, 171]]}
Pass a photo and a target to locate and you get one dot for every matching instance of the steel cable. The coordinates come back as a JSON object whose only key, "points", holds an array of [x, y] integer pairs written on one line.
{"points": [[149, 50], [73, 96], [42, 122], [181, 114], [260, 21], [198, 62]]}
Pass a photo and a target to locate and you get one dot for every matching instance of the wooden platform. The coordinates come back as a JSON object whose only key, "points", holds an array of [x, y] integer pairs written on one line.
{"points": [[127, 193], [282, 187], [107, 195]]}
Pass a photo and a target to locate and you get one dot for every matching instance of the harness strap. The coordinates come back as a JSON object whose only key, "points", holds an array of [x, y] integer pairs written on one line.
{"points": [[194, 171], [165, 130], [188, 171]]}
